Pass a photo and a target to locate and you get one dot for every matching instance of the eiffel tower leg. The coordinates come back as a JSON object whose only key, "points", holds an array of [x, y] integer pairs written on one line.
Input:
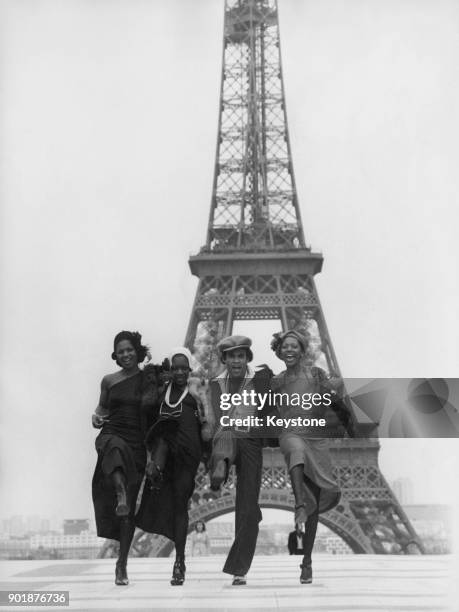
{"points": [[370, 517], [326, 344], [301, 310], [211, 320]]}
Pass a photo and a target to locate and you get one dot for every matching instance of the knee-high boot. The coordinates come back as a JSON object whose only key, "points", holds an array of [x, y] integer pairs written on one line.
{"points": [[297, 480], [155, 466], [122, 506]]}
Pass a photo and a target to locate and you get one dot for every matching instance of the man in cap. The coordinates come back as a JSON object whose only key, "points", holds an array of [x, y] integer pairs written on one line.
{"points": [[239, 445]]}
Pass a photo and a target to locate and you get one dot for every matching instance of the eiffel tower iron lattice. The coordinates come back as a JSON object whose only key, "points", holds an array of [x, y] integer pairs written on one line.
{"points": [[256, 265]]}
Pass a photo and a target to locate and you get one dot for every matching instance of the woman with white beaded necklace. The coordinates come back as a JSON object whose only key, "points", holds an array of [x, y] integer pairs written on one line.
{"points": [[174, 442]]}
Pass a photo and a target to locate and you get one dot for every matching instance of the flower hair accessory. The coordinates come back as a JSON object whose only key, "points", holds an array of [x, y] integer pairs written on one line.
{"points": [[279, 338], [276, 341]]}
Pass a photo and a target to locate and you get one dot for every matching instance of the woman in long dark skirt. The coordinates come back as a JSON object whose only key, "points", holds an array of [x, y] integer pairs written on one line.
{"points": [[174, 441], [121, 454], [304, 448]]}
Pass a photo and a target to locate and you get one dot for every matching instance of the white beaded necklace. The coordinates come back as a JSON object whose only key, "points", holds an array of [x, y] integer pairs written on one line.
{"points": [[168, 394]]}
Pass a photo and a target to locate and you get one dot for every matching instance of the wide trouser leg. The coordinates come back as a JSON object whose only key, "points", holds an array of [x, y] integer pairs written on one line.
{"points": [[248, 514]]}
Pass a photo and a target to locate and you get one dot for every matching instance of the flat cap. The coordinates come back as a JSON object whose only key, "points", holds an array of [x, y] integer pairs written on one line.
{"points": [[230, 343]]}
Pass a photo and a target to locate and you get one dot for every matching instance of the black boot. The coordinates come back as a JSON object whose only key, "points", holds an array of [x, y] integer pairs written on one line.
{"points": [[156, 463], [122, 506], [178, 573], [306, 573], [154, 475], [121, 577], [301, 516], [219, 475]]}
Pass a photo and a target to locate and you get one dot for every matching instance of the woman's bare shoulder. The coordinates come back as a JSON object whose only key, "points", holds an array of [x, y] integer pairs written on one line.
{"points": [[111, 379]]}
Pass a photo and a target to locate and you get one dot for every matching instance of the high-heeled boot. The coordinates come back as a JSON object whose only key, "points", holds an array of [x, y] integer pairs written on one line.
{"points": [[306, 573], [155, 465], [121, 577], [178, 573], [122, 506], [301, 516], [154, 475], [219, 474]]}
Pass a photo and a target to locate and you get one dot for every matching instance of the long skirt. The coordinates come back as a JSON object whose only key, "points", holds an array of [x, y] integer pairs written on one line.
{"points": [[113, 452], [158, 507], [157, 511]]}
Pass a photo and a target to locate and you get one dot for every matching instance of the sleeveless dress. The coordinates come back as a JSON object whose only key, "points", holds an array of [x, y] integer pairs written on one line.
{"points": [[119, 445], [304, 446]]}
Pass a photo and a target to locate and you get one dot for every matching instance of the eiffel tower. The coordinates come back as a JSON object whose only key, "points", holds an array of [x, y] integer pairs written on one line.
{"points": [[256, 265]]}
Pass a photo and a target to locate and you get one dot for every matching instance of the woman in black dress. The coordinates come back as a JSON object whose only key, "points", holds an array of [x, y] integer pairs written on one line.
{"points": [[174, 441], [121, 454]]}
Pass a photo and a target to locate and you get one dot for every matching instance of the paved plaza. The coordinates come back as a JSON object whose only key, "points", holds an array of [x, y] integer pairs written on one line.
{"points": [[363, 583]]}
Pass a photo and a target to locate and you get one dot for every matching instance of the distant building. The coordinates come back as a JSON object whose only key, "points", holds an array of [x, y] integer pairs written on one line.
{"points": [[221, 536], [19, 526], [84, 545], [33, 524], [332, 544], [30, 537], [15, 548], [62, 541], [75, 526], [273, 538], [15, 526]]}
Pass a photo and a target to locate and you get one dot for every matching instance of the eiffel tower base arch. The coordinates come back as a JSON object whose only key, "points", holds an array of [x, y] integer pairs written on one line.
{"points": [[368, 518]]}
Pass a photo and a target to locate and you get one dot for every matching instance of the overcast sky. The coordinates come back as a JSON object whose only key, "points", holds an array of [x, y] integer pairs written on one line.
{"points": [[108, 123]]}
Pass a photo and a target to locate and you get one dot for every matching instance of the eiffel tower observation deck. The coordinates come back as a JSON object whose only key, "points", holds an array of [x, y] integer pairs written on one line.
{"points": [[256, 265]]}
